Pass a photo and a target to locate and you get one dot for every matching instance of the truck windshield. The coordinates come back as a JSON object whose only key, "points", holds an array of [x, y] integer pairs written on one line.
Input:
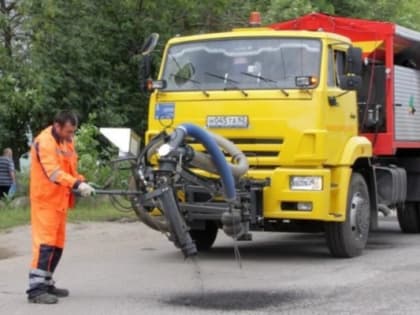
{"points": [[245, 63]]}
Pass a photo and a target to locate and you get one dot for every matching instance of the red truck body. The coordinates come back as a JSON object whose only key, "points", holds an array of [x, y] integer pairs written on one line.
{"points": [[388, 44]]}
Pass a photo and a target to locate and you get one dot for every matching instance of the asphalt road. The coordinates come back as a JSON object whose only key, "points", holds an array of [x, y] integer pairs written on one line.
{"points": [[125, 268]]}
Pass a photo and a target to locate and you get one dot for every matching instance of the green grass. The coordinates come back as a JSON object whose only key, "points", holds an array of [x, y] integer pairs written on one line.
{"points": [[13, 217], [99, 212]]}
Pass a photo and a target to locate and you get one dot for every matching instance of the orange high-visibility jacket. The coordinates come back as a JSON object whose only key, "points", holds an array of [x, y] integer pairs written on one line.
{"points": [[53, 171]]}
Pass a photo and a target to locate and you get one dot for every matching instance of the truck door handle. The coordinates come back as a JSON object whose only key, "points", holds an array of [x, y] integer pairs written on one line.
{"points": [[352, 116], [332, 101]]}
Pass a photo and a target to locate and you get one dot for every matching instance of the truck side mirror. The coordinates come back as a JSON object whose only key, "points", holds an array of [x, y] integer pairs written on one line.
{"points": [[146, 62], [354, 61], [350, 82], [149, 44]]}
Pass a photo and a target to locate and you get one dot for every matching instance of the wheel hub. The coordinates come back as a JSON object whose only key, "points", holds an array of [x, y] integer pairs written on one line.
{"points": [[359, 216]]}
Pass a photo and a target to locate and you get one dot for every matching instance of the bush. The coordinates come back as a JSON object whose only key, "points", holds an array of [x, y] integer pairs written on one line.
{"points": [[22, 179], [94, 158]]}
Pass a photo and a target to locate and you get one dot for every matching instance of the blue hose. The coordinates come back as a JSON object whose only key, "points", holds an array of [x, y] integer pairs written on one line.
{"points": [[217, 156]]}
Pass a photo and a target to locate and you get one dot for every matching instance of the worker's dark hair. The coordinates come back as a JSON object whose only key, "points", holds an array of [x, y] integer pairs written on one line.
{"points": [[66, 116]]}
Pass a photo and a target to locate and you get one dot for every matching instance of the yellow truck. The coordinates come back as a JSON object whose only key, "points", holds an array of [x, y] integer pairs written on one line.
{"points": [[302, 101]]}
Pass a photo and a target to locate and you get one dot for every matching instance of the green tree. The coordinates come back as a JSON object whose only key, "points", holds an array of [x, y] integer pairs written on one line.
{"points": [[86, 51], [17, 95], [279, 10], [404, 12]]}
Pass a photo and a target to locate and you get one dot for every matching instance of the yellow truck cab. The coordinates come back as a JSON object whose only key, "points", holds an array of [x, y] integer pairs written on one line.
{"points": [[287, 99]]}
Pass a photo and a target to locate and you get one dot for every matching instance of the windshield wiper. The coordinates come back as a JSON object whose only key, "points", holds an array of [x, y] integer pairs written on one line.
{"points": [[234, 84], [265, 80], [207, 94], [198, 83]]}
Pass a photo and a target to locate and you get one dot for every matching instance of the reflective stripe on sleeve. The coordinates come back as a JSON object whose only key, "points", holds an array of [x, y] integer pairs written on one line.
{"points": [[54, 175]]}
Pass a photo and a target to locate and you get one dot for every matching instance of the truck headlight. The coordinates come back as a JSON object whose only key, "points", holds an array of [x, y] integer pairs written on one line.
{"points": [[306, 183]]}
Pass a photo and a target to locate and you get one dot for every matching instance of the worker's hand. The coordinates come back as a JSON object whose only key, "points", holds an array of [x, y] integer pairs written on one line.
{"points": [[85, 190]]}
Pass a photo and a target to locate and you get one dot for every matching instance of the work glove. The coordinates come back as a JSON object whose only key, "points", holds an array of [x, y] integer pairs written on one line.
{"points": [[85, 190]]}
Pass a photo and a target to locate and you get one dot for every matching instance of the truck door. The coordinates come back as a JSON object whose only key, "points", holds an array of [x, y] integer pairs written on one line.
{"points": [[341, 107]]}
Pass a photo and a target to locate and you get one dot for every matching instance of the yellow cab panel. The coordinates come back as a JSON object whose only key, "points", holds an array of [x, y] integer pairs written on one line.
{"points": [[225, 82]]}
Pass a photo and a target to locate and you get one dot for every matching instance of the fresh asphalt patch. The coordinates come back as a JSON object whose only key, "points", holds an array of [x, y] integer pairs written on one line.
{"points": [[233, 300]]}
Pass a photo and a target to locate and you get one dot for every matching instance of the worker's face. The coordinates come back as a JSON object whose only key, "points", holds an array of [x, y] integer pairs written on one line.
{"points": [[65, 132]]}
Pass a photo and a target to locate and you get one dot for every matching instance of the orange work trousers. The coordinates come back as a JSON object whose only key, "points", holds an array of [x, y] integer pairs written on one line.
{"points": [[48, 236]]}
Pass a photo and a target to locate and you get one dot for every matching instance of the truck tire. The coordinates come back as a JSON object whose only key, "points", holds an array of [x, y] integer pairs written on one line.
{"points": [[409, 217], [348, 239], [204, 239]]}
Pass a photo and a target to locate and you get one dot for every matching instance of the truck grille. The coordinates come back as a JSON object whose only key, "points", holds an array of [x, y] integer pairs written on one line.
{"points": [[260, 151]]}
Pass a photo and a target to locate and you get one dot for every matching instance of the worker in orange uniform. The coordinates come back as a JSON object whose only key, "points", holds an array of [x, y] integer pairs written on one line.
{"points": [[53, 177]]}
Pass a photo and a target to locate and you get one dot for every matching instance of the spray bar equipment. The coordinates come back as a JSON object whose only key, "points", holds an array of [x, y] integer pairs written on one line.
{"points": [[190, 187]]}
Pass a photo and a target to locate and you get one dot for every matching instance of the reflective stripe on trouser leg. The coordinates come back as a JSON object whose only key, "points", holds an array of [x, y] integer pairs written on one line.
{"points": [[38, 278], [41, 277]]}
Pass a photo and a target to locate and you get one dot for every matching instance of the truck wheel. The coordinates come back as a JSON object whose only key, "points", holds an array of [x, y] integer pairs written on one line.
{"points": [[408, 217], [204, 239], [348, 239]]}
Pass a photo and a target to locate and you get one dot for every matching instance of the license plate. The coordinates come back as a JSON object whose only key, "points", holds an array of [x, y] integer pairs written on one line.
{"points": [[227, 122]]}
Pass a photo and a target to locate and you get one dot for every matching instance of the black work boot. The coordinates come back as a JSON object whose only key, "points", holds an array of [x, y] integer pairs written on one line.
{"points": [[43, 298], [58, 292]]}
